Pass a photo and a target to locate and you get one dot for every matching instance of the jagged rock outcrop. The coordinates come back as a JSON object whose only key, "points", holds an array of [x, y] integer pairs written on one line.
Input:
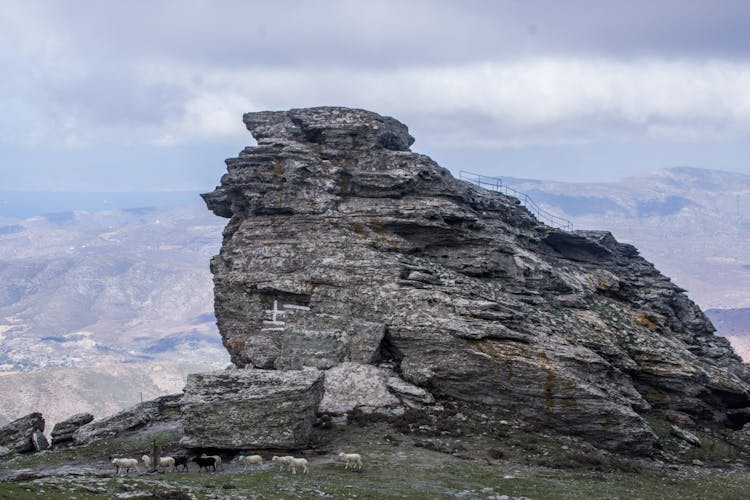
{"points": [[18, 435], [160, 410], [345, 246], [250, 409], [62, 433]]}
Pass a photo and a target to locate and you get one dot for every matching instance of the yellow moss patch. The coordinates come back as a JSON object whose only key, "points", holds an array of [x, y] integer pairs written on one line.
{"points": [[644, 320], [359, 229], [377, 226]]}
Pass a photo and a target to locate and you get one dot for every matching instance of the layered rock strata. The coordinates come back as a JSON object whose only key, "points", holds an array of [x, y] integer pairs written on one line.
{"points": [[250, 409], [23, 435], [165, 409], [343, 245], [62, 433]]}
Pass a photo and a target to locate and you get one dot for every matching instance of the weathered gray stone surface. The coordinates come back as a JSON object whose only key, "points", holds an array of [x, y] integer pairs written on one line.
{"points": [[350, 386], [375, 254], [163, 409], [17, 435], [685, 436], [39, 440], [250, 409], [62, 433]]}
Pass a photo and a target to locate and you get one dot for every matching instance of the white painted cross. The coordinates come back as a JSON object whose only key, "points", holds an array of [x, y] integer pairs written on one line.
{"points": [[274, 314]]}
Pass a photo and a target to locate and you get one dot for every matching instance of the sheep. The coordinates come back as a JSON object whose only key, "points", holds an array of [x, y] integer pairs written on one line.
{"points": [[217, 459], [167, 462], [282, 461], [299, 462], [163, 462], [204, 462], [181, 460], [353, 459], [125, 463], [251, 460]]}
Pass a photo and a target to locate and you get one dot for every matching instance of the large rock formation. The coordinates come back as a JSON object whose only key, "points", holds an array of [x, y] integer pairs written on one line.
{"points": [[250, 409], [345, 246]]}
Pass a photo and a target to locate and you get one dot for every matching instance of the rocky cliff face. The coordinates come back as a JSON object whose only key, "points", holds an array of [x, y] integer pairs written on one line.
{"points": [[345, 246]]}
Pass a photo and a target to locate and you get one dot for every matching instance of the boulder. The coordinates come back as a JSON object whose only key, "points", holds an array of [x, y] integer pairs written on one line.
{"points": [[17, 435], [368, 388], [62, 433], [250, 409], [163, 409]]}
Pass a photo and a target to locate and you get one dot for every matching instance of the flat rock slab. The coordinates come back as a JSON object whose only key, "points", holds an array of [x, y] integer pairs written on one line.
{"points": [[250, 409]]}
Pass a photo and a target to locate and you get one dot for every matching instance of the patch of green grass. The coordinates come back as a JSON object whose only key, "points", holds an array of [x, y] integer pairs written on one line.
{"points": [[533, 464], [420, 477], [714, 450], [125, 445]]}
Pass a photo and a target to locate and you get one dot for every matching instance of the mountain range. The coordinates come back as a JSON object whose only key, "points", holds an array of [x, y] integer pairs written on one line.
{"points": [[82, 288], [694, 224]]}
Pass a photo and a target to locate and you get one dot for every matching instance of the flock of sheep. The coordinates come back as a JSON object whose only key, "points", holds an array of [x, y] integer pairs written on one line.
{"points": [[351, 460]]}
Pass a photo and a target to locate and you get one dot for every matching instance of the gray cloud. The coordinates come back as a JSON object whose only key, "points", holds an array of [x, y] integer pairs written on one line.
{"points": [[490, 75], [393, 33]]}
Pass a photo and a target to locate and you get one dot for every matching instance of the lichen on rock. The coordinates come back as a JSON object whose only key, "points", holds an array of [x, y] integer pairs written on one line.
{"points": [[250, 409]]}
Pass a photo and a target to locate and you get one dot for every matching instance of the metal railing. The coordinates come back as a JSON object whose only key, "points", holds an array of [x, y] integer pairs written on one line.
{"points": [[496, 184]]}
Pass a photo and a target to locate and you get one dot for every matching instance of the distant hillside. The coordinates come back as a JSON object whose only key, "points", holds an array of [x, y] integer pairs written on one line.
{"points": [[100, 390], [735, 325], [731, 321], [694, 224], [22, 204], [84, 288]]}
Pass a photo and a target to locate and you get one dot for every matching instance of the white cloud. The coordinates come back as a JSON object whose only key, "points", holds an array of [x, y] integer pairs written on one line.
{"points": [[94, 72], [541, 101]]}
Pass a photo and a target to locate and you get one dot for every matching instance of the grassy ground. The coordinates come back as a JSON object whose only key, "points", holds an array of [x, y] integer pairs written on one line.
{"points": [[506, 461]]}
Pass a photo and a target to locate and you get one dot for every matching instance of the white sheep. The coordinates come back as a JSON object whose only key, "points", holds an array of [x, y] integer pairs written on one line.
{"points": [[125, 463], [167, 462], [282, 461], [299, 462], [163, 462], [217, 460], [251, 460], [352, 459]]}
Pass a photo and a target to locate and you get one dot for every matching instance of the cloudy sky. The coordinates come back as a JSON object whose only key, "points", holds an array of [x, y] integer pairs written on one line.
{"points": [[149, 95]]}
